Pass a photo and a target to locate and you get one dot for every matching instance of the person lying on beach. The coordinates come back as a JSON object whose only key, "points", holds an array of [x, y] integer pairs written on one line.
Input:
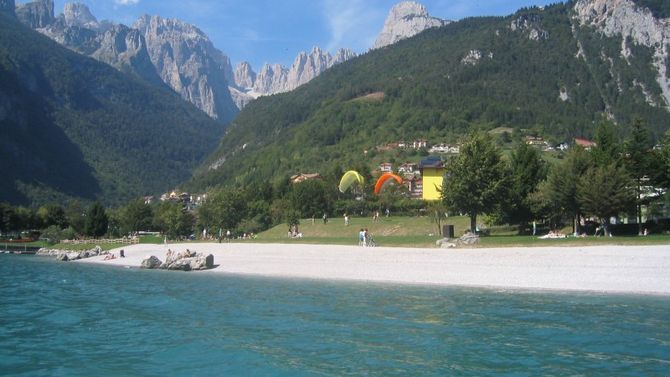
{"points": [[110, 256], [552, 234]]}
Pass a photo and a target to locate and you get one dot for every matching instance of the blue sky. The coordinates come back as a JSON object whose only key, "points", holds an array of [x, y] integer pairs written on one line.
{"points": [[272, 31]]}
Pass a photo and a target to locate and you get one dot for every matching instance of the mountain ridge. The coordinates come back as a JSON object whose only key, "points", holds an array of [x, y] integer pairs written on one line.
{"points": [[73, 127], [539, 70], [201, 74]]}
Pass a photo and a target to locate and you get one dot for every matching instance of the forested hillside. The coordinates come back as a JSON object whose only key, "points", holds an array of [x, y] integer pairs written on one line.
{"points": [[538, 71], [71, 127]]}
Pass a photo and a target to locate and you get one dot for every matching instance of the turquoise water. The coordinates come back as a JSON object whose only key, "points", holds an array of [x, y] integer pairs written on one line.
{"points": [[67, 319]]}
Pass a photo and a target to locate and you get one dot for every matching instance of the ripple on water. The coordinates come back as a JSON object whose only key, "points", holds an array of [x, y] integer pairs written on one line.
{"points": [[66, 319]]}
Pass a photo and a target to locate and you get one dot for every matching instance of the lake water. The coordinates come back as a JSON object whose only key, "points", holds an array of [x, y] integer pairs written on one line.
{"points": [[68, 319]]}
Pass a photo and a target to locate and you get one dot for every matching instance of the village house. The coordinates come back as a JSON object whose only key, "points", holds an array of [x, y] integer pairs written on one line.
{"points": [[414, 185], [386, 167], [537, 141], [584, 143], [419, 143], [304, 177], [562, 147], [445, 148], [408, 168], [432, 173]]}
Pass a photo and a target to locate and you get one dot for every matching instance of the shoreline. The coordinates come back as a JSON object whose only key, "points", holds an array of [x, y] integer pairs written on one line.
{"points": [[600, 269]]}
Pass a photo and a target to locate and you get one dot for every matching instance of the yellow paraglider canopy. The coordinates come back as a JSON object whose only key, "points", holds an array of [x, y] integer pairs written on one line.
{"points": [[348, 179]]}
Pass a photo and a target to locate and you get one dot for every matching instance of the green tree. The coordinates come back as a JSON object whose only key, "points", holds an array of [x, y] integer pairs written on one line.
{"points": [[135, 216], [437, 212], [527, 170], [476, 179], [311, 198], [224, 210], [174, 220], [661, 166], [605, 191], [52, 214], [75, 214], [96, 221], [608, 148], [26, 218], [638, 161], [8, 218], [292, 219], [559, 195]]}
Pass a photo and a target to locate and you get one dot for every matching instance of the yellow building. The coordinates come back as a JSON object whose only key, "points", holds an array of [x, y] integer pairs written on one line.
{"points": [[432, 172]]}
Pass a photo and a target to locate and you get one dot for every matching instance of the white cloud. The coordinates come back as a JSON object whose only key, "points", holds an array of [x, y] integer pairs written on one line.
{"points": [[352, 24], [126, 2]]}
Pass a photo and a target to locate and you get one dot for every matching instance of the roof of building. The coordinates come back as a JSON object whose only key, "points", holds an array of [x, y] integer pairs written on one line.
{"points": [[431, 162]]}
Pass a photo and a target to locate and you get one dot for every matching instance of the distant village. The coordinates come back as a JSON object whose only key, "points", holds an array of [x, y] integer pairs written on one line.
{"points": [[427, 173]]}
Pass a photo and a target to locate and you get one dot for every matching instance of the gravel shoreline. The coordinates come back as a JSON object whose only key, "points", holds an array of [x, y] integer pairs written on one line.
{"points": [[607, 269]]}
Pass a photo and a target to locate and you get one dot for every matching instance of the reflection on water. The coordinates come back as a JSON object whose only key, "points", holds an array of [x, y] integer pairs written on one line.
{"points": [[70, 319]]}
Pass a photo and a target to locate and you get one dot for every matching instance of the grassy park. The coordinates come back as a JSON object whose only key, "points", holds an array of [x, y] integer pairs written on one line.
{"points": [[400, 231], [422, 232]]}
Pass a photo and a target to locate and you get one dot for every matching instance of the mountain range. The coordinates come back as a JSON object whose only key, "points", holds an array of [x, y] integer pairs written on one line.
{"points": [[73, 127], [553, 71], [175, 53]]}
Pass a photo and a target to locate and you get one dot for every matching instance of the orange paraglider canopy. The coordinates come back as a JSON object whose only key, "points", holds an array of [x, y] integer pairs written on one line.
{"points": [[384, 179]]}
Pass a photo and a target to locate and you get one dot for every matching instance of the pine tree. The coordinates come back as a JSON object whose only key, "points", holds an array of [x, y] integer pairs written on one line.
{"points": [[96, 221], [605, 191], [638, 161]]}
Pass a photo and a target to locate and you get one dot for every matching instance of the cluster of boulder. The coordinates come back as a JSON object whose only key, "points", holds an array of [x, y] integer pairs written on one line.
{"points": [[182, 261], [69, 255], [468, 239]]}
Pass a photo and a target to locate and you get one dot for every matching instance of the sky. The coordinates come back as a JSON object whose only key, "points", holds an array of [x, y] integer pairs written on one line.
{"points": [[275, 31]]}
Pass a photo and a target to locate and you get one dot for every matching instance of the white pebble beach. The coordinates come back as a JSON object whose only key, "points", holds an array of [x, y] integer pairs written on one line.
{"points": [[606, 269]]}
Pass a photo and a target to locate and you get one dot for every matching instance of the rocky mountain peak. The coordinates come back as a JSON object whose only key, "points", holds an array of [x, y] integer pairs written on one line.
{"points": [[405, 20], [78, 14], [244, 75], [631, 22], [342, 55], [37, 14], [187, 61]]}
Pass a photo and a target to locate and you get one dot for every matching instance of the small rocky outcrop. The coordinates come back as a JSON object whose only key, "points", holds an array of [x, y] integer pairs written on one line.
{"points": [[151, 263], [180, 261], [468, 239], [69, 255]]}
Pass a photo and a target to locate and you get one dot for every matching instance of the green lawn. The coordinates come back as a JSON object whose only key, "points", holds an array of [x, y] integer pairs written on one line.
{"points": [[421, 232], [405, 232], [388, 231]]}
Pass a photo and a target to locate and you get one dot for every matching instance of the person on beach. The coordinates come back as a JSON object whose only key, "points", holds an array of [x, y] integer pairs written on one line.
{"points": [[122, 254], [369, 240]]}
